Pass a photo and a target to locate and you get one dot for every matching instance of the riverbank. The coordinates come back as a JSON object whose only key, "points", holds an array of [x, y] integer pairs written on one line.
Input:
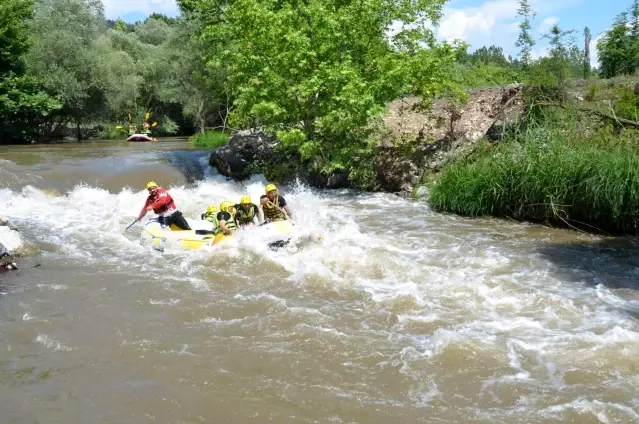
{"points": [[503, 153]]}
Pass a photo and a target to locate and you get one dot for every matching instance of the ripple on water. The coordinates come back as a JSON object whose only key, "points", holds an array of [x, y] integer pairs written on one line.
{"points": [[423, 318]]}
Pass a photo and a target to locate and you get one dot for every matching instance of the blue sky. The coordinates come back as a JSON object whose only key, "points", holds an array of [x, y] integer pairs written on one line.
{"points": [[478, 22]]}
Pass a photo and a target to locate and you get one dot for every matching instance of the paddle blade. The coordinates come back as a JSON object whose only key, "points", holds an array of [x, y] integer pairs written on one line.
{"points": [[146, 117], [130, 225], [154, 124]]}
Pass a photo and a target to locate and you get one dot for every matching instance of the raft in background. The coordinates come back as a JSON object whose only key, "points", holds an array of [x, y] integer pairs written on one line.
{"points": [[140, 137], [273, 234]]}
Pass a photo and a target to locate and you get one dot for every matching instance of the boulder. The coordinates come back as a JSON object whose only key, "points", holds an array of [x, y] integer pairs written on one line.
{"points": [[422, 142], [6, 260], [244, 154]]}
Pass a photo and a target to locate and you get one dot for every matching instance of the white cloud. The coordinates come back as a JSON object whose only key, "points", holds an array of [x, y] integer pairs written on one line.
{"points": [[547, 23], [466, 23], [495, 22], [115, 8], [539, 52], [594, 54]]}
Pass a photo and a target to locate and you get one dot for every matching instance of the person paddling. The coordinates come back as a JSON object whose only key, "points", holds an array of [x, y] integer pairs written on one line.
{"points": [[226, 217], [161, 202], [246, 211], [274, 205]]}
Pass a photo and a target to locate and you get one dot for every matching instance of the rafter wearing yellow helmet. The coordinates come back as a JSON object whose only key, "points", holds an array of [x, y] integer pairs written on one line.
{"points": [[161, 203], [274, 205], [211, 216], [246, 212], [226, 217]]}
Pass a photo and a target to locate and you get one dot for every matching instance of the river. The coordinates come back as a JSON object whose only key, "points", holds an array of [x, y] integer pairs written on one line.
{"points": [[398, 314]]}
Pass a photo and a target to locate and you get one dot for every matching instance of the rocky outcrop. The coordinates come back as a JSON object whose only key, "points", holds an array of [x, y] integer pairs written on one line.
{"points": [[416, 142], [433, 137]]}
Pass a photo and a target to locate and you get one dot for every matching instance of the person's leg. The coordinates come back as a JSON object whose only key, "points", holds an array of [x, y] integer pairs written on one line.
{"points": [[179, 220]]}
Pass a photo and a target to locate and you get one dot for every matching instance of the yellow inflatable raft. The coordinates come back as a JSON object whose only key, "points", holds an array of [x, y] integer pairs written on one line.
{"points": [[152, 234]]}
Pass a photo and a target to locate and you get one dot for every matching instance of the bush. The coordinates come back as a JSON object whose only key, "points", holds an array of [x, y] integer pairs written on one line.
{"points": [[210, 140], [110, 132], [550, 175]]}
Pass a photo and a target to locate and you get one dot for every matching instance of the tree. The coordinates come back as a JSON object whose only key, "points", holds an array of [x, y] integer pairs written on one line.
{"points": [[559, 60], [586, 65], [64, 32], [23, 105], [614, 49], [319, 70], [203, 91], [120, 25], [525, 41]]}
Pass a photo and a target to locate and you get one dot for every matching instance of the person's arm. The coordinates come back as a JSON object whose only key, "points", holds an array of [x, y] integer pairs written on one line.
{"points": [[284, 205], [288, 211], [263, 200], [260, 214], [223, 226], [145, 209]]}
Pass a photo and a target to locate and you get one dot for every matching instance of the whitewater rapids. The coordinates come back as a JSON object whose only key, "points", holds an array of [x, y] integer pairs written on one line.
{"points": [[399, 314]]}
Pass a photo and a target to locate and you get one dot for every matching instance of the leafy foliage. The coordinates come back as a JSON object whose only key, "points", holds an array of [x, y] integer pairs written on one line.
{"points": [[619, 47], [318, 71], [23, 105]]}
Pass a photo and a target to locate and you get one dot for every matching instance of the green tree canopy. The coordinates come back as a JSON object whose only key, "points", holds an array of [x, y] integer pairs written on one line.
{"points": [[320, 69]]}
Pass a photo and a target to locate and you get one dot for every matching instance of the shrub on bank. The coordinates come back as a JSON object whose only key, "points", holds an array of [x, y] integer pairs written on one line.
{"points": [[210, 140], [552, 175]]}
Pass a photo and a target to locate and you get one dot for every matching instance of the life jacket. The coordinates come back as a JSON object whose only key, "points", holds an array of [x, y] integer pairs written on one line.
{"points": [[168, 207], [230, 224], [246, 217], [212, 217], [271, 212]]}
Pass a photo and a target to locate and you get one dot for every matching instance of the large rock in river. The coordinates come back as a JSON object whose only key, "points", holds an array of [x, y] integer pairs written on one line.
{"points": [[245, 154]]}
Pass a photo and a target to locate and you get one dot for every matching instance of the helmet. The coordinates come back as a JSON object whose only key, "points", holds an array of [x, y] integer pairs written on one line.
{"points": [[270, 187], [245, 200], [211, 209], [225, 204], [151, 184]]}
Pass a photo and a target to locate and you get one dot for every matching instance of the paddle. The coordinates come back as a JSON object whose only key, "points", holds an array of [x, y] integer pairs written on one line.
{"points": [[131, 225]]}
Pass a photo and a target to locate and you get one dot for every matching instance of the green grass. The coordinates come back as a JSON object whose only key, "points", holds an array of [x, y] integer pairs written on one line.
{"points": [[551, 173], [210, 140]]}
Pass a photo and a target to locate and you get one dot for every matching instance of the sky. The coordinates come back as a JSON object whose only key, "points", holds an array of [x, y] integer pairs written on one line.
{"points": [[477, 22]]}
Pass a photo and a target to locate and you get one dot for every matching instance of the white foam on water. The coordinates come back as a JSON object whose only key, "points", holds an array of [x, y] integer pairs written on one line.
{"points": [[450, 286], [10, 239], [53, 344]]}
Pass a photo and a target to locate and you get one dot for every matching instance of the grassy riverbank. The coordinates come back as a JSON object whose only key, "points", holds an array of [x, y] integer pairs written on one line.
{"points": [[209, 140], [561, 169]]}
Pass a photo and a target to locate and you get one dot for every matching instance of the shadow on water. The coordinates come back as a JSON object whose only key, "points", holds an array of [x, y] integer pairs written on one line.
{"points": [[613, 262]]}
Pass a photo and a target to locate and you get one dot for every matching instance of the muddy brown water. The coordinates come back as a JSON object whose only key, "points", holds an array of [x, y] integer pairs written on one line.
{"points": [[398, 315]]}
